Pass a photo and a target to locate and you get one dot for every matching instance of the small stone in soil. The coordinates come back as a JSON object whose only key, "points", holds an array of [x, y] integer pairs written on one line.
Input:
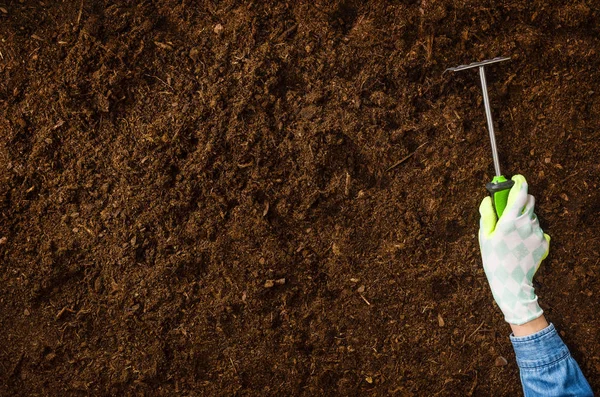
{"points": [[441, 322], [336, 249], [500, 361], [194, 53], [272, 283]]}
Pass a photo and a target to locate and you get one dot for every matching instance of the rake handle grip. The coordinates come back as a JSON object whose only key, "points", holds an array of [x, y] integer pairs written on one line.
{"points": [[499, 188]]}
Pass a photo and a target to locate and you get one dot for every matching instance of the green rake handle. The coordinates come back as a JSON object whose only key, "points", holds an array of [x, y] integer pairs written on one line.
{"points": [[499, 188]]}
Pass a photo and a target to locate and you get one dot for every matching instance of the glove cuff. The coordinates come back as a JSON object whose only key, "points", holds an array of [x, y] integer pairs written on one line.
{"points": [[523, 312]]}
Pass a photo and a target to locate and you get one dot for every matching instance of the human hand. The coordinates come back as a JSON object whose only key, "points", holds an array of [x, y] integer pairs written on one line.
{"points": [[512, 249]]}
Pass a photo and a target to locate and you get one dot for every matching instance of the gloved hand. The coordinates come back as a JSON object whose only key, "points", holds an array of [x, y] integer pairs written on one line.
{"points": [[512, 249]]}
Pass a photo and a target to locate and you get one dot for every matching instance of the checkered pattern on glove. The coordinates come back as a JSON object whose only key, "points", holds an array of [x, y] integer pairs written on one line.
{"points": [[512, 249]]}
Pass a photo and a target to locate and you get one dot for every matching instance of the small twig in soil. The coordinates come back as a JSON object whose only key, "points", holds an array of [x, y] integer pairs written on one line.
{"points": [[79, 15], [348, 182], [470, 393], [570, 176], [477, 329], [365, 299], [63, 310], [233, 365], [17, 367], [57, 125], [405, 158], [288, 32], [162, 81]]}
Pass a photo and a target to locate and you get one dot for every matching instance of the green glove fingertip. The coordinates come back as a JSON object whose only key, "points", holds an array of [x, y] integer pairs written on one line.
{"points": [[488, 216], [547, 237], [517, 197]]}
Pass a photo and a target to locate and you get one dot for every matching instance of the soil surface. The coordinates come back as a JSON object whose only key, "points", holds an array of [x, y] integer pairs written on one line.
{"points": [[280, 198]]}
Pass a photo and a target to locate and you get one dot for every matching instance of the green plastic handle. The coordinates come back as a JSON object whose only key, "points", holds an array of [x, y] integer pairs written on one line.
{"points": [[499, 188]]}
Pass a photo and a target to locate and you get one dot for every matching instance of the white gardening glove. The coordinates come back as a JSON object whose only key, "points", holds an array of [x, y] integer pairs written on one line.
{"points": [[512, 250]]}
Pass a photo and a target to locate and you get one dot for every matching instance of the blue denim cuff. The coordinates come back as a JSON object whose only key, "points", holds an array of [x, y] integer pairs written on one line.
{"points": [[540, 349]]}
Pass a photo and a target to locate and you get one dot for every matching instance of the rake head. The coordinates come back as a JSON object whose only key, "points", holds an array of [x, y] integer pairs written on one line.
{"points": [[477, 64]]}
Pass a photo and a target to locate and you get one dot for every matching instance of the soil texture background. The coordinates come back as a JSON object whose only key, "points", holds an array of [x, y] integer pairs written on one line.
{"points": [[280, 198]]}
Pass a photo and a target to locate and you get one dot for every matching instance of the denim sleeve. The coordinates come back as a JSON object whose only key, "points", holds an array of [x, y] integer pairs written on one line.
{"points": [[546, 366]]}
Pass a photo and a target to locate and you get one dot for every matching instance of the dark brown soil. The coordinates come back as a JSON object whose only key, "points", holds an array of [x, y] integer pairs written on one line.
{"points": [[196, 197]]}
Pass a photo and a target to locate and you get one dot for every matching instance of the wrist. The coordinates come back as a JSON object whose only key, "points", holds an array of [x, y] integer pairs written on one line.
{"points": [[530, 327], [518, 307]]}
